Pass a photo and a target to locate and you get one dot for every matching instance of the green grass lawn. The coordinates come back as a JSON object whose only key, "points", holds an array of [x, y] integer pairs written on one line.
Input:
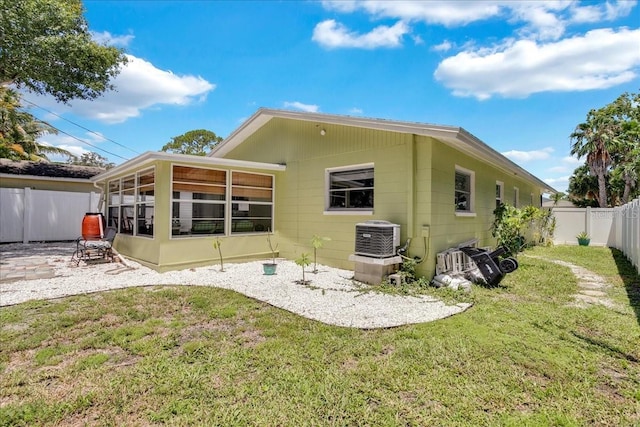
{"points": [[522, 355]]}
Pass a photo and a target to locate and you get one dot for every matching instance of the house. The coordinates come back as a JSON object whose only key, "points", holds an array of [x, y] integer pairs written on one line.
{"points": [[42, 201], [303, 174]]}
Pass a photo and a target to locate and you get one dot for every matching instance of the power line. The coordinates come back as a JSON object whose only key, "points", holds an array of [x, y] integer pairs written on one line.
{"points": [[82, 127], [89, 144]]}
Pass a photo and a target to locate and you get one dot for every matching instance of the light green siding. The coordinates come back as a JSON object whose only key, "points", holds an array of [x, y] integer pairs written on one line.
{"points": [[414, 180], [414, 187], [301, 190]]}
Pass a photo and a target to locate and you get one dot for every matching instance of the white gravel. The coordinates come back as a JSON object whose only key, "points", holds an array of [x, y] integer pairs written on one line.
{"points": [[331, 296]]}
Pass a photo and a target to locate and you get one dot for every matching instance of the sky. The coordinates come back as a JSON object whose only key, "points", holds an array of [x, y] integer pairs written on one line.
{"points": [[519, 75]]}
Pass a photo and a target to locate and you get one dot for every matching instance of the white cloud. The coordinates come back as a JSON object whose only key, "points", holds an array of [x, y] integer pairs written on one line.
{"points": [[356, 111], [560, 183], [538, 20], [443, 47], [449, 13], [139, 86], [527, 156], [332, 34], [309, 108], [573, 161], [600, 59], [75, 146], [107, 38]]}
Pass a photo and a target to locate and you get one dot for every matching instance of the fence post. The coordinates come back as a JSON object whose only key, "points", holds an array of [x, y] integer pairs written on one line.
{"points": [[587, 221], [26, 219]]}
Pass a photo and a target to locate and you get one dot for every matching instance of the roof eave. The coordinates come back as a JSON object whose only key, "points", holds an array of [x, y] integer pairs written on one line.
{"points": [[151, 156], [454, 136]]}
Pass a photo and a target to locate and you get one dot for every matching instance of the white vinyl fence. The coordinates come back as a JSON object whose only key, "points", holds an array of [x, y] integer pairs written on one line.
{"points": [[28, 215], [613, 227]]}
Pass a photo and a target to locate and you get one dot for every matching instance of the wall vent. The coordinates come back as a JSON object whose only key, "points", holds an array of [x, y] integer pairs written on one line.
{"points": [[377, 239]]}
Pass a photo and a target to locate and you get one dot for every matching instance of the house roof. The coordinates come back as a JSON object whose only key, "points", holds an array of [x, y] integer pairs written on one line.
{"points": [[151, 156], [455, 137], [38, 170]]}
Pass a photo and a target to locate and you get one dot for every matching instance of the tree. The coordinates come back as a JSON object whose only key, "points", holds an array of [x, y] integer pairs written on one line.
{"points": [[595, 139], [91, 159], [583, 187], [196, 142], [20, 130], [626, 110], [46, 47], [610, 141], [556, 197]]}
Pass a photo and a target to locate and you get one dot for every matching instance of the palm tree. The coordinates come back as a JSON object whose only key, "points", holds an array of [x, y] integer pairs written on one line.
{"points": [[595, 139], [19, 131]]}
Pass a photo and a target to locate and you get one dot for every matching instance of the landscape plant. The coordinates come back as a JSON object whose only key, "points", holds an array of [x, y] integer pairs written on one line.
{"points": [[217, 243], [512, 225], [317, 242], [303, 261], [272, 248]]}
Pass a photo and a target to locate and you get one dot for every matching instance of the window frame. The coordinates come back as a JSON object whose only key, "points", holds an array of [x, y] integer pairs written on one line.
{"points": [[516, 197], [328, 172], [127, 197], [235, 225], [470, 212], [234, 220], [177, 225], [500, 194]]}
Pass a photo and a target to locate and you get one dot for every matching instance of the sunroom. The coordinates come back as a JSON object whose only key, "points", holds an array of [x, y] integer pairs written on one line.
{"points": [[169, 208]]}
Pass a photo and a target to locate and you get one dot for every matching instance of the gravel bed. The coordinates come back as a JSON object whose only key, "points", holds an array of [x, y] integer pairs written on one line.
{"points": [[330, 296]]}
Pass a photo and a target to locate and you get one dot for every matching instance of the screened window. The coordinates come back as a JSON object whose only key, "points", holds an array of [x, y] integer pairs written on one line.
{"points": [[198, 201], [351, 189], [499, 193], [131, 203], [464, 190], [516, 196], [252, 202]]}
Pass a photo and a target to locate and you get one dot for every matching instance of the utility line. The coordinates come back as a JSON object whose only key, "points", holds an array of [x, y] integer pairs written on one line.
{"points": [[89, 144], [82, 127]]}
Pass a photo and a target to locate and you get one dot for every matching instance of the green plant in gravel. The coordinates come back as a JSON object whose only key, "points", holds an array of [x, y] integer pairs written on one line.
{"points": [[317, 242], [217, 245], [521, 356], [303, 261]]}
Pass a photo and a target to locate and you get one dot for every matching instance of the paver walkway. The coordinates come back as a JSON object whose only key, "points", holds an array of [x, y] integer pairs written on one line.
{"points": [[591, 287], [25, 268]]}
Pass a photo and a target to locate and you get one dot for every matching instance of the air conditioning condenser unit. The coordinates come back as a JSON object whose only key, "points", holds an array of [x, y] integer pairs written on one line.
{"points": [[377, 239]]}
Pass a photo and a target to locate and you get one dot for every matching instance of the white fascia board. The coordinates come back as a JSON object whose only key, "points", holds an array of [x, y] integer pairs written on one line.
{"points": [[44, 178], [150, 156]]}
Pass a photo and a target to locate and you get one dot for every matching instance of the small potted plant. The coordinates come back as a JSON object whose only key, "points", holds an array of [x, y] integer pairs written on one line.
{"points": [[583, 239], [270, 267]]}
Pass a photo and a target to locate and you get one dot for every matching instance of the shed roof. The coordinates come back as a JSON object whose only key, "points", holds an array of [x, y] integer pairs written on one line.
{"points": [[26, 169], [455, 137]]}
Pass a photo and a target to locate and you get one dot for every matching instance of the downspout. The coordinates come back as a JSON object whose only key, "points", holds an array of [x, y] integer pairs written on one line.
{"points": [[101, 199]]}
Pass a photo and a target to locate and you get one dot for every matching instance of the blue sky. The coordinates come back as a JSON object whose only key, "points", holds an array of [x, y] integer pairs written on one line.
{"points": [[519, 75]]}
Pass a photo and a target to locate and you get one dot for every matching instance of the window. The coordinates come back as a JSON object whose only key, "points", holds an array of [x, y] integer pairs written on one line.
{"points": [[130, 203], [252, 202], [204, 204], [464, 191], [199, 201], [516, 197], [350, 189], [499, 193]]}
